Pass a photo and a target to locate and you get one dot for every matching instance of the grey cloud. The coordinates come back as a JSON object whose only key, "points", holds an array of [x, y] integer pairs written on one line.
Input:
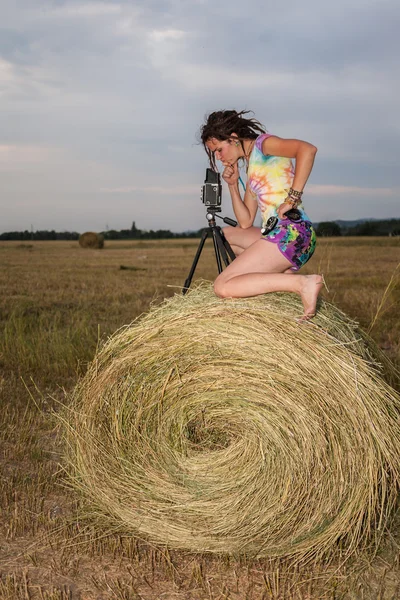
{"points": [[96, 80]]}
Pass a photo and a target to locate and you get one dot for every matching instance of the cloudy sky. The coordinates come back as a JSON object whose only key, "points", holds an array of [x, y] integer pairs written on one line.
{"points": [[101, 103]]}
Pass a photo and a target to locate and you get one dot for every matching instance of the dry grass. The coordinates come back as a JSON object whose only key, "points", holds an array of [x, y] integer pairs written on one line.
{"points": [[79, 297]]}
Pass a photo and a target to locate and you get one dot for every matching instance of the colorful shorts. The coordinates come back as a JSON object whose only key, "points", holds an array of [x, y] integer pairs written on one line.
{"points": [[296, 241]]}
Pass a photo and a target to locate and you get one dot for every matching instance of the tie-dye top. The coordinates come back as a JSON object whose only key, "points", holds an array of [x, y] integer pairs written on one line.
{"points": [[270, 178]]}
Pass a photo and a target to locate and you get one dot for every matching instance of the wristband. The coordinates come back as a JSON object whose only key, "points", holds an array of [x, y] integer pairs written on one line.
{"points": [[293, 201], [294, 193]]}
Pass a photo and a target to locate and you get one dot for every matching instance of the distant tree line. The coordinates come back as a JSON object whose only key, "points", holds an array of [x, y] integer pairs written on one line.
{"points": [[324, 229], [138, 234], [39, 235], [124, 234], [366, 228]]}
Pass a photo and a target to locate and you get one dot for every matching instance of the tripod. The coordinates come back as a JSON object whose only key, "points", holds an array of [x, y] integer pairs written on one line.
{"points": [[222, 247]]}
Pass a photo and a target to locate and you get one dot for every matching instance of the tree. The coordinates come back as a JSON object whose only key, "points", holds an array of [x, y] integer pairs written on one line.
{"points": [[328, 229]]}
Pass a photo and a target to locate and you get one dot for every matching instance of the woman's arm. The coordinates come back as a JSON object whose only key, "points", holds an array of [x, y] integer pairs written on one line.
{"points": [[245, 210], [303, 152]]}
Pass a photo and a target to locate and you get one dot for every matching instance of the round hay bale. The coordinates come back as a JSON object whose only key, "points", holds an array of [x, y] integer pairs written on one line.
{"points": [[225, 426], [90, 239]]}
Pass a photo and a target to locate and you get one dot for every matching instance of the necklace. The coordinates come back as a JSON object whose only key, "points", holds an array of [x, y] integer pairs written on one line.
{"points": [[247, 156]]}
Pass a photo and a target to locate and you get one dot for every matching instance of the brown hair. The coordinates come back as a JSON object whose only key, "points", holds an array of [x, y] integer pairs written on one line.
{"points": [[222, 123]]}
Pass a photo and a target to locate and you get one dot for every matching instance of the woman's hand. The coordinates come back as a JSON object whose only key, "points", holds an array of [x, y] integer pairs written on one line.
{"points": [[283, 208], [231, 173]]}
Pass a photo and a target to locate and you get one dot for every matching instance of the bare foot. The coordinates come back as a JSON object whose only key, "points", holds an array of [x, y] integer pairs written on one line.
{"points": [[311, 287]]}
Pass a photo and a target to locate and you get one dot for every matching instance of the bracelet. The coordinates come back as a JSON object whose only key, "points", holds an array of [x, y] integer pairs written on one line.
{"points": [[294, 193], [293, 201]]}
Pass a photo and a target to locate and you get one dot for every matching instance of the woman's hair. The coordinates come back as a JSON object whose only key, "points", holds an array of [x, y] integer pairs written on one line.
{"points": [[222, 123]]}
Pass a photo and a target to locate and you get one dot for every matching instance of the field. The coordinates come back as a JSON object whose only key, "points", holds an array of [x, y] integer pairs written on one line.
{"points": [[57, 303]]}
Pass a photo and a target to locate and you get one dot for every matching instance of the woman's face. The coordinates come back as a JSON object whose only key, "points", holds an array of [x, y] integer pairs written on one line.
{"points": [[226, 151]]}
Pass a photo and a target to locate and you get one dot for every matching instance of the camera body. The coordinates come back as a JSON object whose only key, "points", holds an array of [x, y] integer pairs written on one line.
{"points": [[211, 192]]}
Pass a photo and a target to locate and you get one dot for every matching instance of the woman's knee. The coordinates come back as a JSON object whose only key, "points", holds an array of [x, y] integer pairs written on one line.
{"points": [[241, 237], [220, 287], [229, 232]]}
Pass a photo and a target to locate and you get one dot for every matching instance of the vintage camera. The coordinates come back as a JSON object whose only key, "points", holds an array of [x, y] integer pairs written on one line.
{"points": [[211, 192]]}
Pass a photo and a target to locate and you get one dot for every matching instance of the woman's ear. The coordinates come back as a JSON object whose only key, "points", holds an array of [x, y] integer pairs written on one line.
{"points": [[234, 139]]}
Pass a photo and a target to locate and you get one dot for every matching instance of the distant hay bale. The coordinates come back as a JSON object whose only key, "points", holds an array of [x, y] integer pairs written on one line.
{"points": [[91, 240], [225, 426]]}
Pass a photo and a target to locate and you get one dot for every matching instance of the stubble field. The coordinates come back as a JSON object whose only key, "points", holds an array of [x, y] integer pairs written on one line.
{"points": [[57, 303]]}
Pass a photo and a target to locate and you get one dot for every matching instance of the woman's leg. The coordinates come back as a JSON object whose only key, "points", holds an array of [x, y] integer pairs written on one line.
{"points": [[261, 269], [240, 239]]}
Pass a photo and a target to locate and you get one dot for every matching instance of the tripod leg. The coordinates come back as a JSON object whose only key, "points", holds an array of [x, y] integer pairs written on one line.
{"points": [[217, 248], [188, 281], [227, 246], [221, 246]]}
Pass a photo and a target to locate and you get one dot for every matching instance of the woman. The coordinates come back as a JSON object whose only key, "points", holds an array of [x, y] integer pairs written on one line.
{"points": [[269, 262]]}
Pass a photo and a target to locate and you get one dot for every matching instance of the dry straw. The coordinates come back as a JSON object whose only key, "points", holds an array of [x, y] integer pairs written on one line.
{"points": [[91, 240], [226, 426]]}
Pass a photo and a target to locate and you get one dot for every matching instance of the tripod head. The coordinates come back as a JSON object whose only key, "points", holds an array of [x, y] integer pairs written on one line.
{"points": [[210, 216]]}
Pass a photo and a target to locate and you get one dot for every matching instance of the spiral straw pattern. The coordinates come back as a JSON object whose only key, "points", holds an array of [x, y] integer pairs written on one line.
{"points": [[225, 426]]}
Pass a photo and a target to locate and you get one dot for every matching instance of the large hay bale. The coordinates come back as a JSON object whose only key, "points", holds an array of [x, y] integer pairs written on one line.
{"points": [[90, 239], [226, 426]]}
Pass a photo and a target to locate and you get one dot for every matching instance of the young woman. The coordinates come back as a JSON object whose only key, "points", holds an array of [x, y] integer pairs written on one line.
{"points": [[269, 262]]}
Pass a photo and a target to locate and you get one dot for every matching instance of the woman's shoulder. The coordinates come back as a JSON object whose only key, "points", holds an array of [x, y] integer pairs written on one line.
{"points": [[259, 141]]}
